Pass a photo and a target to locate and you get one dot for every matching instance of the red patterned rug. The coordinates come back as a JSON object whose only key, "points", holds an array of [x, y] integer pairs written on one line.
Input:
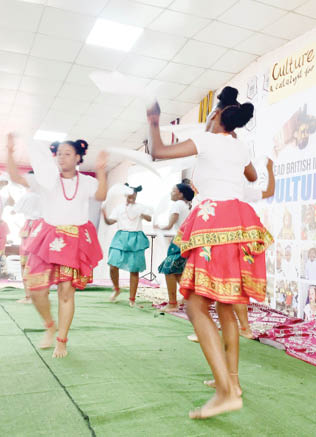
{"points": [[269, 326]]}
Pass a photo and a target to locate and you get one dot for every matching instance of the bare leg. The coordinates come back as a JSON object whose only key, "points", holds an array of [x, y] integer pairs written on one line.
{"points": [[27, 298], [42, 304], [225, 398], [134, 278], [172, 293], [66, 309], [115, 277], [241, 311], [230, 335]]}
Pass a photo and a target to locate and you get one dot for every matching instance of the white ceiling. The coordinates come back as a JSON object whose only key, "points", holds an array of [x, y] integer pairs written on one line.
{"points": [[188, 47]]}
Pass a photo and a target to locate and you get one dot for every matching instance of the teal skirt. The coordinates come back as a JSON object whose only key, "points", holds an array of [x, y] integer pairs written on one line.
{"points": [[174, 263], [127, 251]]}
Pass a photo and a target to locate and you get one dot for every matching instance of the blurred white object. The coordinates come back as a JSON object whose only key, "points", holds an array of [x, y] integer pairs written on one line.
{"points": [[43, 163]]}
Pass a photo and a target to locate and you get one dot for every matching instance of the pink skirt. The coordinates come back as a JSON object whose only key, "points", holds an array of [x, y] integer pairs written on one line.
{"points": [[24, 235], [61, 253], [4, 231], [224, 243]]}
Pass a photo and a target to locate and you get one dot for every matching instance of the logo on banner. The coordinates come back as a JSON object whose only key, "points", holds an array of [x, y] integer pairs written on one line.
{"points": [[292, 74]]}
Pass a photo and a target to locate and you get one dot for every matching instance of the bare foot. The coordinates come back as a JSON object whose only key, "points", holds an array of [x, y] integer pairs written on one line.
{"points": [[193, 337], [49, 337], [170, 308], [25, 300], [246, 332], [60, 350], [114, 295], [211, 383], [217, 406]]}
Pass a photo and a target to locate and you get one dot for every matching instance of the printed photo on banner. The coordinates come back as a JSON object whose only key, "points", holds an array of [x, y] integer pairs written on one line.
{"points": [[286, 296], [308, 263], [307, 301]]}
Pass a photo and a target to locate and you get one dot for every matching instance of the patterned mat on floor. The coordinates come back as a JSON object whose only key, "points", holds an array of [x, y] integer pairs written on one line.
{"points": [[296, 336]]}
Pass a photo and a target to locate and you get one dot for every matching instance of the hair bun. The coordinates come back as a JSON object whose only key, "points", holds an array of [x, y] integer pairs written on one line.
{"points": [[228, 95], [83, 146], [245, 113], [53, 147]]}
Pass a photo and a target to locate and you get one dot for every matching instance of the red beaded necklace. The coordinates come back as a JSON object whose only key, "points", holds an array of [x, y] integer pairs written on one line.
{"points": [[76, 189]]}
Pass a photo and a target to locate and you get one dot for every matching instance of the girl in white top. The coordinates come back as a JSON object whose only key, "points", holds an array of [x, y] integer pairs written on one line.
{"points": [[63, 248], [127, 249], [222, 238], [173, 265], [29, 205]]}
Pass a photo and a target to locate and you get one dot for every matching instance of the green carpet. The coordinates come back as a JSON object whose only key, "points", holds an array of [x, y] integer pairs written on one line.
{"points": [[133, 373]]}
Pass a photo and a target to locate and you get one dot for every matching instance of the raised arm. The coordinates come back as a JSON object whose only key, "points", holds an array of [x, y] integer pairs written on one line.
{"points": [[271, 181], [172, 220], [146, 217], [107, 220], [250, 173], [158, 149], [13, 170], [100, 194]]}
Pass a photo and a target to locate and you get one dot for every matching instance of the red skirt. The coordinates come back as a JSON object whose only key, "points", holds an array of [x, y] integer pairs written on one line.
{"points": [[24, 235], [224, 243], [61, 253], [4, 231]]}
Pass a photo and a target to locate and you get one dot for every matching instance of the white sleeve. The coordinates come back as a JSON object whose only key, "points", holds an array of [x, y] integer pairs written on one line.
{"points": [[93, 186], [32, 182], [247, 155], [175, 208], [115, 213], [252, 194], [199, 141], [44, 166]]}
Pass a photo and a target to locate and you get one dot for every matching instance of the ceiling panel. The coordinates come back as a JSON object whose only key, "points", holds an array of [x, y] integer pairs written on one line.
{"points": [[158, 44], [202, 8], [179, 24], [290, 26], [223, 34], [66, 24], [50, 47], [180, 73], [187, 48], [90, 7], [234, 61], [16, 40], [251, 15], [20, 15], [199, 54], [130, 12]]}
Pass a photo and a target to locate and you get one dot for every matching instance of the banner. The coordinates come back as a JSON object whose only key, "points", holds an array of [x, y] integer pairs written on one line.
{"points": [[292, 74]]}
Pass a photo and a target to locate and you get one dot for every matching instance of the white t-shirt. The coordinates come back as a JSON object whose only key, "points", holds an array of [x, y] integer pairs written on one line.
{"points": [[29, 205], [3, 201], [252, 194], [129, 216], [219, 170], [95, 211], [57, 210], [182, 208]]}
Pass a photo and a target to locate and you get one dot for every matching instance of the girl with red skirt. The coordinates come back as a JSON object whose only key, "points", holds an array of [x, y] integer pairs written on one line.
{"points": [[63, 248], [223, 240]]}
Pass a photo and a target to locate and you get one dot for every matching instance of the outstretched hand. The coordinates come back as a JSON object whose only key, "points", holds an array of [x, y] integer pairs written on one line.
{"points": [[153, 113], [101, 161]]}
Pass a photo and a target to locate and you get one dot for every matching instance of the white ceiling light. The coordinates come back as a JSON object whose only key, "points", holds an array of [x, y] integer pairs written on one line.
{"points": [[47, 135], [113, 35]]}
